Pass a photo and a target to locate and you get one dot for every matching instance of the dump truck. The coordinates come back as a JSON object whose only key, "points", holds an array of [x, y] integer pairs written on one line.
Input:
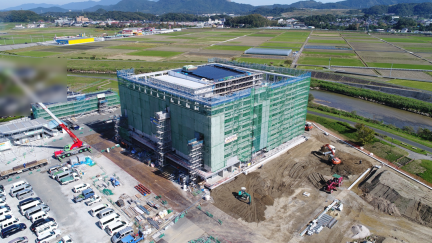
{"points": [[69, 179], [23, 168], [86, 194]]}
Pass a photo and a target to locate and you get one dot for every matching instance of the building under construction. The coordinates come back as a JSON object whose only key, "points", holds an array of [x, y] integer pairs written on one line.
{"points": [[212, 117], [79, 104]]}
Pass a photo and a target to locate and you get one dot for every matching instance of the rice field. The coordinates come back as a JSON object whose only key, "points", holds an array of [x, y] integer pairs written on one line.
{"points": [[155, 53]]}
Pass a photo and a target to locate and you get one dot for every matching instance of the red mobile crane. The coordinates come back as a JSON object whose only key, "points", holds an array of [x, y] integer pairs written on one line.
{"points": [[77, 147]]}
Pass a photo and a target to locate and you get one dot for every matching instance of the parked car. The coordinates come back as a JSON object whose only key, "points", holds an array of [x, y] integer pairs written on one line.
{"points": [[1, 189], [19, 240], [2, 198], [13, 229], [40, 222], [48, 236]]}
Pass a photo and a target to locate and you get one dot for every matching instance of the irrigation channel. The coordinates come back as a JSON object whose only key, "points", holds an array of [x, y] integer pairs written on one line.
{"points": [[388, 115]]}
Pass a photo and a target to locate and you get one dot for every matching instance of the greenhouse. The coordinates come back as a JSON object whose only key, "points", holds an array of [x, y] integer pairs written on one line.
{"points": [[269, 51]]}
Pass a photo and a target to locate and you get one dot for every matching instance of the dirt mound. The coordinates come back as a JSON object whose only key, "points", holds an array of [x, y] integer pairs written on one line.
{"points": [[350, 165], [394, 195], [360, 232]]}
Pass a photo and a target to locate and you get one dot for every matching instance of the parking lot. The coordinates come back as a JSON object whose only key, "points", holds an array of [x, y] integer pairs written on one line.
{"points": [[73, 218]]}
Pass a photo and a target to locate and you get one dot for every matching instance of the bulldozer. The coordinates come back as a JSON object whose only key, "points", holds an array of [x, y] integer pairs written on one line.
{"points": [[330, 150], [244, 196]]}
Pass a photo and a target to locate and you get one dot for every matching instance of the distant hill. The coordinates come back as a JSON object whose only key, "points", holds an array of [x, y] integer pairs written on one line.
{"points": [[206, 6], [178, 6], [68, 6], [403, 9]]}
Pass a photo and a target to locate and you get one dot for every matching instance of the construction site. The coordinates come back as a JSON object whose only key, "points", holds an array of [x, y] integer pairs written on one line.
{"points": [[214, 118]]}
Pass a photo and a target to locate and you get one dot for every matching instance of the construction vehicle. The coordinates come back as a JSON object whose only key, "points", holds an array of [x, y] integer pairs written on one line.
{"points": [[23, 168], [308, 126], [244, 196], [330, 150], [133, 238], [68, 179], [331, 184], [77, 147]]}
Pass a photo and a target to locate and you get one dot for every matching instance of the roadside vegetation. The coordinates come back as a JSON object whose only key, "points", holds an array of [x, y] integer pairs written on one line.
{"points": [[422, 168]]}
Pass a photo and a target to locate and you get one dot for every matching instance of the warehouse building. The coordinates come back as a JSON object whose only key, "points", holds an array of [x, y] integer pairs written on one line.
{"points": [[80, 104], [210, 118], [23, 131], [73, 41]]}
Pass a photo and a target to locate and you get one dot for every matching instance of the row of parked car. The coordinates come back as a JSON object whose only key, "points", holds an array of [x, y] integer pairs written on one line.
{"points": [[33, 209]]}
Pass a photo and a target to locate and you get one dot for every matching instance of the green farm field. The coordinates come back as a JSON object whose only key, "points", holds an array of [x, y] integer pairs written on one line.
{"points": [[334, 61], [412, 84]]}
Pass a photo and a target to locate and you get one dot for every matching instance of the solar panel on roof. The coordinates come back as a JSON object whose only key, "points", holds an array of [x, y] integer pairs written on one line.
{"points": [[213, 72]]}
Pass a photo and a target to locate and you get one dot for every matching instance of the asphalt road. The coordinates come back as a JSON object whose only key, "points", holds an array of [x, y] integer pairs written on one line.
{"points": [[404, 140]]}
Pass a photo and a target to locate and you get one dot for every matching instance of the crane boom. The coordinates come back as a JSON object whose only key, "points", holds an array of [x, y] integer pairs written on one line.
{"points": [[77, 142]]}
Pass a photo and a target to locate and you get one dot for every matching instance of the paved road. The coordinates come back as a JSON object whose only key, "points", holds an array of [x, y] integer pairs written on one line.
{"points": [[85, 76], [294, 63], [404, 140]]}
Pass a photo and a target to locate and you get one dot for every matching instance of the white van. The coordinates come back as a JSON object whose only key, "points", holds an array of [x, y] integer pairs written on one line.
{"points": [[18, 189], [115, 227], [37, 209], [105, 212], [95, 210], [5, 211], [28, 206], [19, 183], [9, 222], [108, 220], [24, 194], [39, 215], [42, 229], [62, 175], [80, 187]]}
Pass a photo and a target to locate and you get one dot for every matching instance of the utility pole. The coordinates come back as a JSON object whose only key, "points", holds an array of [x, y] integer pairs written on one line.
{"points": [[31, 40], [329, 62], [13, 40]]}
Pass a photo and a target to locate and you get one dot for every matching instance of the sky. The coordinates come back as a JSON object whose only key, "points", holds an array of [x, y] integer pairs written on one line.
{"points": [[7, 4]]}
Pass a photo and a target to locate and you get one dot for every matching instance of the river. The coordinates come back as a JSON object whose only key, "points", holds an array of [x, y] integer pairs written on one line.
{"points": [[388, 115]]}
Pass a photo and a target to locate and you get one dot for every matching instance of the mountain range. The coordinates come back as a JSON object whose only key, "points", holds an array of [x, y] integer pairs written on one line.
{"points": [[197, 6]]}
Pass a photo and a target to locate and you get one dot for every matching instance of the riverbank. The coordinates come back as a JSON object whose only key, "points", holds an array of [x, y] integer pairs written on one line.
{"points": [[397, 156], [380, 129]]}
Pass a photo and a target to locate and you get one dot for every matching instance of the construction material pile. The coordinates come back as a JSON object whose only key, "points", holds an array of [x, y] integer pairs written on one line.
{"points": [[395, 195]]}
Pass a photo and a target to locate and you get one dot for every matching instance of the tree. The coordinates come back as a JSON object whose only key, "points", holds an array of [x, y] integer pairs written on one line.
{"points": [[310, 98], [364, 134]]}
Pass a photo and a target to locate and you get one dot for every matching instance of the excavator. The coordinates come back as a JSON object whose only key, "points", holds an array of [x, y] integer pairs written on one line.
{"points": [[330, 151], [244, 196], [77, 147], [308, 126]]}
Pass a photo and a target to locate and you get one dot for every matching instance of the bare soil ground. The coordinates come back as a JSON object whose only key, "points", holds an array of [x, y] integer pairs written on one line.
{"points": [[382, 47], [406, 74], [280, 212], [357, 70]]}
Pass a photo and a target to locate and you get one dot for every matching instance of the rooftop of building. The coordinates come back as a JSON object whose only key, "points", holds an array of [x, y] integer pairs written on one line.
{"points": [[22, 125], [215, 83]]}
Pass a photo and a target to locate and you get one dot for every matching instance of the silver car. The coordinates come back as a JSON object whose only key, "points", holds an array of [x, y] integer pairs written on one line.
{"points": [[19, 240]]}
